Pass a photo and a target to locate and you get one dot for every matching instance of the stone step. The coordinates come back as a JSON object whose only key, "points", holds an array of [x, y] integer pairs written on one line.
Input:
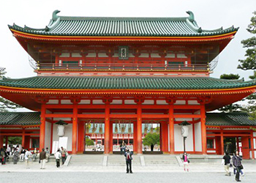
{"points": [[163, 160]]}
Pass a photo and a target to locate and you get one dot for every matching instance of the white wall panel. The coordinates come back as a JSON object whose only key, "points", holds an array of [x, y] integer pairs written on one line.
{"points": [[198, 138], [47, 135], [68, 133]]}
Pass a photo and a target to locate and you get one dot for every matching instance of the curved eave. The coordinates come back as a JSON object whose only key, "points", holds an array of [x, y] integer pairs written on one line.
{"points": [[124, 38], [43, 91]]}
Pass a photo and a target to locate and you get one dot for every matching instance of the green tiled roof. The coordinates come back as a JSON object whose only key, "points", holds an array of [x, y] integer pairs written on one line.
{"points": [[229, 119], [121, 26], [85, 82], [19, 118]]}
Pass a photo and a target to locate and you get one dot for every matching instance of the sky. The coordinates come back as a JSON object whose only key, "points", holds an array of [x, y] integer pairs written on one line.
{"points": [[209, 14]]}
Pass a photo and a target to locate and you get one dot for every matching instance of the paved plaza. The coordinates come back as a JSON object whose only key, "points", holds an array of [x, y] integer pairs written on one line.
{"points": [[136, 177]]}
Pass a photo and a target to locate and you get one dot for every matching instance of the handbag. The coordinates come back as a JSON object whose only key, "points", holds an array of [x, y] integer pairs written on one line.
{"points": [[188, 161], [241, 167]]}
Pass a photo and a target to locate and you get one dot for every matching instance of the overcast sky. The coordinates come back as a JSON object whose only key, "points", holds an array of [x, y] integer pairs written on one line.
{"points": [[209, 14]]}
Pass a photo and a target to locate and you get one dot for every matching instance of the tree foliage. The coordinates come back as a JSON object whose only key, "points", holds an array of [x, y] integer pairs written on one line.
{"points": [[151, 138], [249, 63], [14, 140], [4, 103], [231, 107], [229, 76], [89, 141]]}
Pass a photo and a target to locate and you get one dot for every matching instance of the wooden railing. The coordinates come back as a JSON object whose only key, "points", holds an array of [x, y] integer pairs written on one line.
{"points": [[123, 67]]}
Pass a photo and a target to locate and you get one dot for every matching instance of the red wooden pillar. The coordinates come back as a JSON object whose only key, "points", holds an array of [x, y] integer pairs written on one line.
{"points": [[23, 137], [1, 141], [135, 137], [221, 142], [27, 140], [161, 136], [74, 129], [203, 130], [42, 128], [6, 141], [164, 135], [110, 137], [171, 129], [80, 137], [51, 137], [107, 129], [252, 145], [139, 129]]}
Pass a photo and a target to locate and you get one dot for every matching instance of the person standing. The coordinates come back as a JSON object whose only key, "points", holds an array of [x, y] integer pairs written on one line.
{"points": [[58, 156], [15, 156], [3, 156], [128, 158], [47, 154], [22, 154], [8, 150], [42, 158], [226, 164], [185, 161], [28, 154], [63, 155], [237, 163]]}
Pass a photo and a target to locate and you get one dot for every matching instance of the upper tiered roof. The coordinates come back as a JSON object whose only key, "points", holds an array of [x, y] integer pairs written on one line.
{"points": [[123, 26]]}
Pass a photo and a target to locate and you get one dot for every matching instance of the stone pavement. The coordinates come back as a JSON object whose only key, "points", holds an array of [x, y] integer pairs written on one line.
{"points": [[116, 163]]}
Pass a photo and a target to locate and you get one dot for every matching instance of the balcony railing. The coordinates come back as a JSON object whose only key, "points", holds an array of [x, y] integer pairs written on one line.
{"points": [[123, 67]]}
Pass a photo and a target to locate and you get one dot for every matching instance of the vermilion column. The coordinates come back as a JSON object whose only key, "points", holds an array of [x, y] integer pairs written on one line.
{"points": [[23, 138], [171, 129], [139, 129], [221, 142], [51, 136], [1, 141], [164, 135], [252, 145], [107, 130], [80, 137], [42, 128], [110, 137], [74, 130], [203, 130], [6, 141], [135, 137]]}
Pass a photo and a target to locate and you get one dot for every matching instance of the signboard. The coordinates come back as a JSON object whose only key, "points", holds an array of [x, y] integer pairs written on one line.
{"points": [[55, 146], [63, 142], [123, 52]]}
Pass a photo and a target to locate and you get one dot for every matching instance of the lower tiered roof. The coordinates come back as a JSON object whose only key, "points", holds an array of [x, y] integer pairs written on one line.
{"points": [[167, 83], [212, 119]]}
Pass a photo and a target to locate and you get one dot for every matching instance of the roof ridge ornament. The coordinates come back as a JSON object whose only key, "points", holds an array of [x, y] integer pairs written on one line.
{"points": [[191, 16], [54, 15]]}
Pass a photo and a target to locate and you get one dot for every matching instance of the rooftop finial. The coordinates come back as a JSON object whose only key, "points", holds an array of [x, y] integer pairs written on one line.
{"points": [[191, 15], [54, 15]]}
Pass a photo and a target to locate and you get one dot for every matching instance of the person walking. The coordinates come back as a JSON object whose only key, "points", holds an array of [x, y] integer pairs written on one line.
{"points": [[237, 163], [8, 150], [28, 154], [42, 158], [63, 155], [185, 161], [226, 162], [128, 158], [58, 156], [15, 156], [47, 154], [3, 156]]}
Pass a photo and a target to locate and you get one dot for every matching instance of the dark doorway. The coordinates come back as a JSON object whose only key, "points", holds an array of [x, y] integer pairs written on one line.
{"points": [[230, 145]]}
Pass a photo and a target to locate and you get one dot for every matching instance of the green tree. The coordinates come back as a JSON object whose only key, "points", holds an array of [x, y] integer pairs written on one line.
{"points": [[14, 140], [229, 76], [231, 107], [249, 63], [151, 138], [89, 141], [4, 103]]}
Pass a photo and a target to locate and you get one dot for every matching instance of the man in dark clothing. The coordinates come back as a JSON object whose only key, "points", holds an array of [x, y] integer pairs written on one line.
{"points": [[128, 158], [227, 164], [238, 165], [42, 158]]}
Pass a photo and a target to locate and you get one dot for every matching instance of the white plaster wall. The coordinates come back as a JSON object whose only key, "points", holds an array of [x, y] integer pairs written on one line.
{"points": [[254, 134], [155, 55], [76, 55], [47, 135], [178, 139], [211, 151], [68, 133], [198, 138], [254, 143], [102, 55], [53, 102], [65, 55]]}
